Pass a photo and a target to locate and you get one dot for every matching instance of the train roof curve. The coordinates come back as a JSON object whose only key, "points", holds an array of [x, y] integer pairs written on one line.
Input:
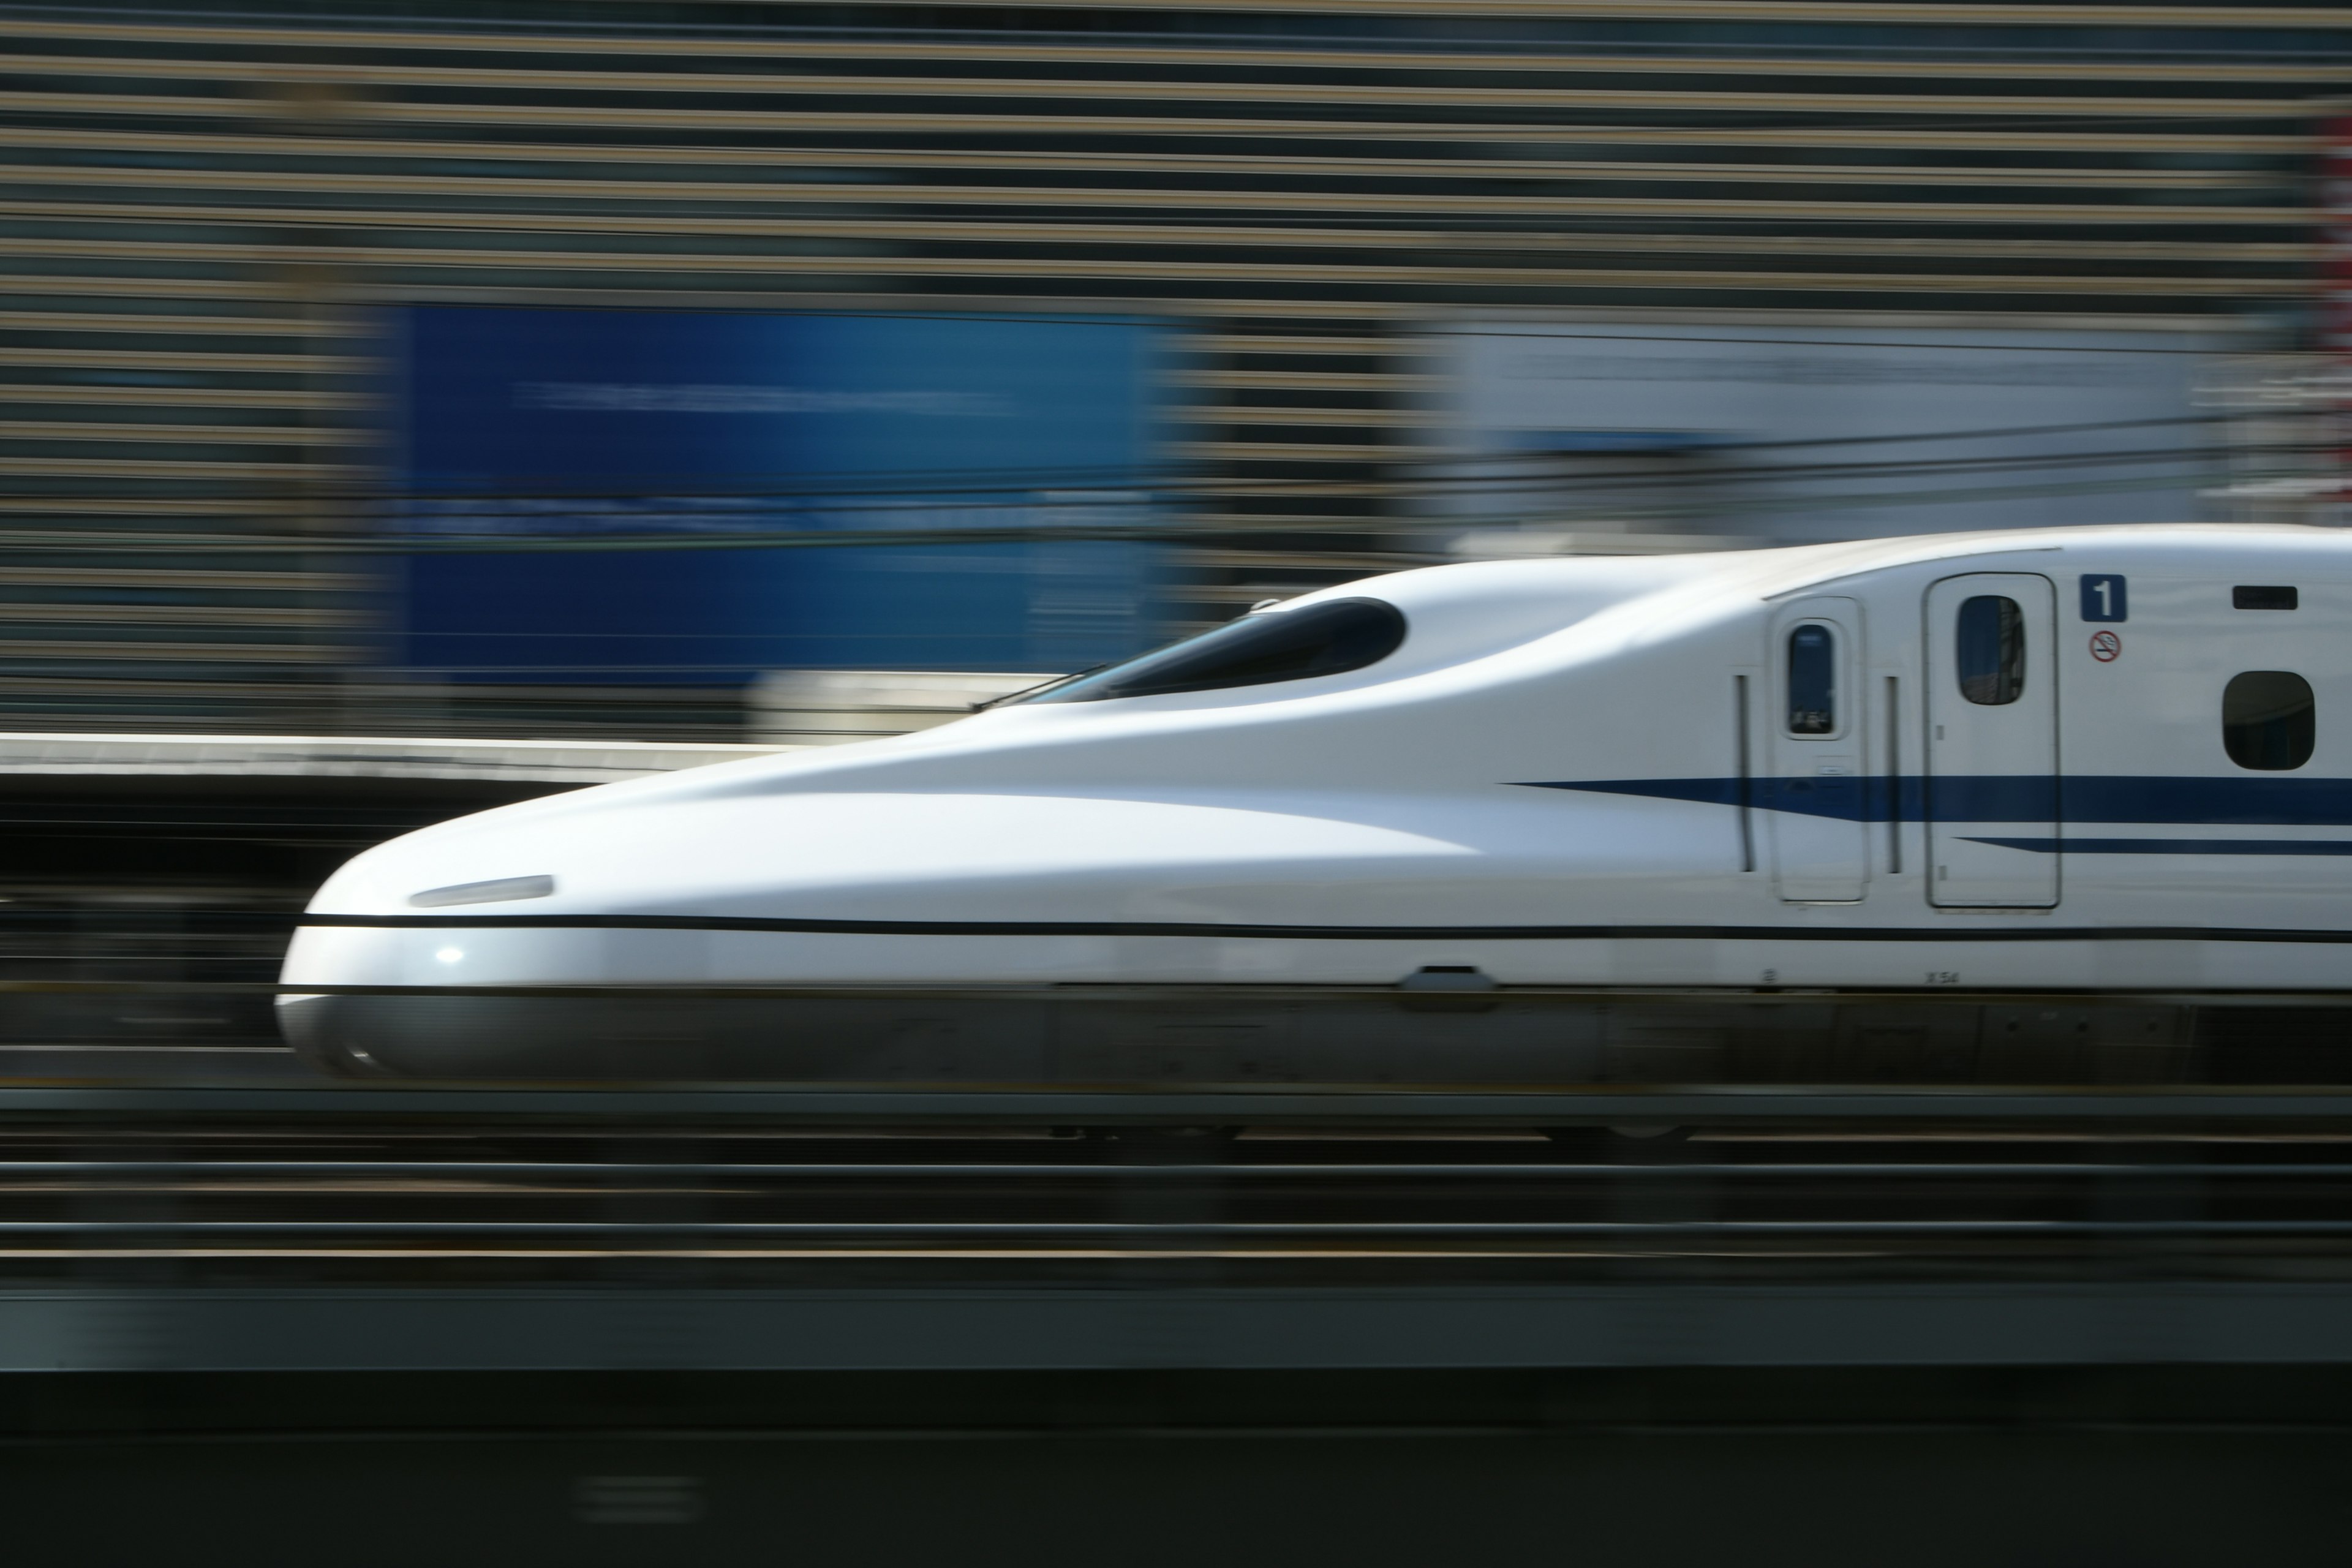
{"points": [[1786, 570], [1478, 629], [1481, 623]]}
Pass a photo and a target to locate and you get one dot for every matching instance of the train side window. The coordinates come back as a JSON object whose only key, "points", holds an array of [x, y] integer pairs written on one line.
{"points": [[1990, 655], [2269, 720], [1813, 680]]}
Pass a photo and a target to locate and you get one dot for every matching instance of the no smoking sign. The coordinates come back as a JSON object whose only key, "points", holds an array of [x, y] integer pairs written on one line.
{"points": [[2107, 647]]}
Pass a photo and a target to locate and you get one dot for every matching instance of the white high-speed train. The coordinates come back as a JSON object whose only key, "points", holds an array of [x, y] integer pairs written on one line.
{"points": [[2101, 761]]}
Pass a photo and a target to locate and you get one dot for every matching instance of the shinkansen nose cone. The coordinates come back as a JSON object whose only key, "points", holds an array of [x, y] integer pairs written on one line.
{"points": [[1234, 810], [423, 955]]}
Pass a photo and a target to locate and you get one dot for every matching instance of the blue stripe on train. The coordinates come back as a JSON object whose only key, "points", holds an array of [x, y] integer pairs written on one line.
{"points": [[2015, 797], [2175, 845]]}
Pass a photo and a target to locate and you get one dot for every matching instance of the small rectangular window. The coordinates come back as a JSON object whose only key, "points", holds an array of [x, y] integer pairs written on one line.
{"points": [[1813, 680], [2244, 598], [2269, 720], [1991, 651]]}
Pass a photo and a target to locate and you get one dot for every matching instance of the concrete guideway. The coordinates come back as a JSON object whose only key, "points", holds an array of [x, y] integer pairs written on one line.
{"points": [[932, 1329], [236, 1230], [641, 1108]]}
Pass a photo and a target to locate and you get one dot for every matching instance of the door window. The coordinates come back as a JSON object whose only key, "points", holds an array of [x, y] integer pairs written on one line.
{"points": [[1991, 653], [1813, 680], [2269, 720]]}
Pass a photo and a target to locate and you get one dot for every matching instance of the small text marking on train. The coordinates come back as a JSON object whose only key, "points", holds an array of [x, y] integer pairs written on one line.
{"points": [[2103, 599]]}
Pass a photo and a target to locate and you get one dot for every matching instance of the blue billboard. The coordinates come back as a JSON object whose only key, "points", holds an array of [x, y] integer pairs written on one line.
{"points": [[563, 477]]}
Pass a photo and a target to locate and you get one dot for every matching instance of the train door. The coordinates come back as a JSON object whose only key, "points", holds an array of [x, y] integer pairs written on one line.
{"points": [[1992, 743], [1820, 843]]}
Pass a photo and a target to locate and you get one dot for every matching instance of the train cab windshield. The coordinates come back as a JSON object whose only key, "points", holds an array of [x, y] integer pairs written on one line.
{"points": [[1329, 639]]}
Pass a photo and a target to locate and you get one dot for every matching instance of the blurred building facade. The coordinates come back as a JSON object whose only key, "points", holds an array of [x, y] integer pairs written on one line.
{"points": [[211, 211]]}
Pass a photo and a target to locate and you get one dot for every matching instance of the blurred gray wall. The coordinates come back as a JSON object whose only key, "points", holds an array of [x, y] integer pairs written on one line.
{"points": [[206, 210], [1634, 433]]}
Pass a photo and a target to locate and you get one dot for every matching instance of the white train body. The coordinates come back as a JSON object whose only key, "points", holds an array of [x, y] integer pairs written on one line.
{"points": [[1995, 762]]}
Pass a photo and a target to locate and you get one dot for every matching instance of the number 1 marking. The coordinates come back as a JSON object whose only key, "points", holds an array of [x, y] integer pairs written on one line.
{"points": [[2106, 592]]}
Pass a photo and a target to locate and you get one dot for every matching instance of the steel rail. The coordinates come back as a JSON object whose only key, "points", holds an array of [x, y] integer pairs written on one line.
{"points": [[967, 1168], [1241, 1229], [1744, 1106]]}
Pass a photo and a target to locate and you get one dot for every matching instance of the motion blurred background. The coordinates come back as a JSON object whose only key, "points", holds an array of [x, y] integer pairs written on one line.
{"points": [[772, 373], [415, 405]]}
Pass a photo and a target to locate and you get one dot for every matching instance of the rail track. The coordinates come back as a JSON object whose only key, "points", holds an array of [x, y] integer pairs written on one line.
{"points": [[721, 1187]]}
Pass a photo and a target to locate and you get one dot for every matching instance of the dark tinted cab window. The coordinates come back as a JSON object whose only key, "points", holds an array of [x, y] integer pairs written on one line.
{"points": [[1329, 639], [2269, 720]]}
